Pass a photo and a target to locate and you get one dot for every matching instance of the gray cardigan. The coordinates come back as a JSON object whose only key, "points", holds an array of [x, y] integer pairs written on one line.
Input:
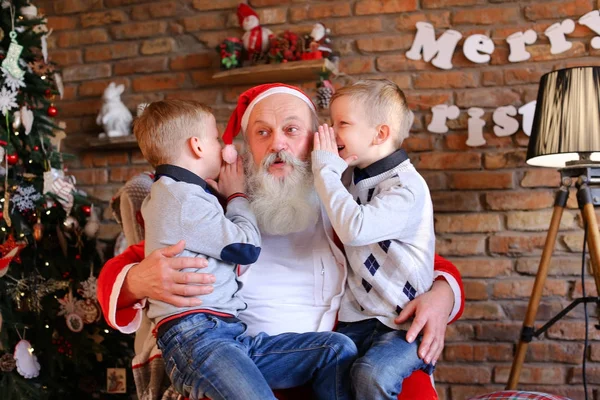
{"points": [[180, 206]]}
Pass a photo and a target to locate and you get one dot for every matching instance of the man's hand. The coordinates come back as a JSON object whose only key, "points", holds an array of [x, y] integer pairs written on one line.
{"points": [[325, 140], [231, 179], [159, 277], [431, 311]]}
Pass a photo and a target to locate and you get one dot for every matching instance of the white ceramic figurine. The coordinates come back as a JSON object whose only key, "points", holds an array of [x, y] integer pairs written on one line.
{"points": [[114, 116]]}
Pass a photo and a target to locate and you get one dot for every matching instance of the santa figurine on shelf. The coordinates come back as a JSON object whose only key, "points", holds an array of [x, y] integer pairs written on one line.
{"points": [[256, 38], [320, 40]]}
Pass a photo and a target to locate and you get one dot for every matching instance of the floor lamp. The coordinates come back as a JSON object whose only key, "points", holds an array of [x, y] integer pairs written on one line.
{"points": [[565, 136]]}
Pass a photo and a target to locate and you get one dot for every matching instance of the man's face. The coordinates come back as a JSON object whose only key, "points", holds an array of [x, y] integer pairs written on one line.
{"points": [[280, 122]]}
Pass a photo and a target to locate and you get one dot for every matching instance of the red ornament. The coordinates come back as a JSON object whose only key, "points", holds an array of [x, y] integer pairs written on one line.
{"points": [[52, 111], [36, 148], [48, 93], [12, 158], [87, 210], [78, 257], [1, 215]]}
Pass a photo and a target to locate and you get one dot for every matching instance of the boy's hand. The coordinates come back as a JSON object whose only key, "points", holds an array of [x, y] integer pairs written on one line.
{"points": [[232, 179], [325, 140]]}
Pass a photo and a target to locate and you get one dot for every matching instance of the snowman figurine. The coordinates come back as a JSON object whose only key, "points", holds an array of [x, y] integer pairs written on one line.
{"points": [[256, 38]]}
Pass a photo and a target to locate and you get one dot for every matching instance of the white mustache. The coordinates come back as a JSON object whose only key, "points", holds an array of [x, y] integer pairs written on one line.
{"points": [[284, 156]]}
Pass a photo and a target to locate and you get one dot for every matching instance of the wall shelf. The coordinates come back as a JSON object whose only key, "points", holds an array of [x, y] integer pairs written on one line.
{"points": [[112, 143], [294, 71]]}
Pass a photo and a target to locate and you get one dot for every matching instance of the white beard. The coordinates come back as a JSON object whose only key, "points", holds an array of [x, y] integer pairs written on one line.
{"points": [[282, 205]]}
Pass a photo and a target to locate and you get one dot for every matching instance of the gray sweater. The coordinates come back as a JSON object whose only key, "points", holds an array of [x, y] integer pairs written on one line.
{"points": [[384, 218], [180, 206]]}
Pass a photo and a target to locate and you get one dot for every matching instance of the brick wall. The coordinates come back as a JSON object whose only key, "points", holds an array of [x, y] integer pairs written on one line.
{"points": [[492, 212]]}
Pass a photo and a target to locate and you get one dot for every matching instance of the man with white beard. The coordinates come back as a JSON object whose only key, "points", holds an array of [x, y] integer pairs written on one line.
{"points": [[297, 283]]}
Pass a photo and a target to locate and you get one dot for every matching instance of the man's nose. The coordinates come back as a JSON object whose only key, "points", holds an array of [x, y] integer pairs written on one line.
{"points": [[279, 142]]}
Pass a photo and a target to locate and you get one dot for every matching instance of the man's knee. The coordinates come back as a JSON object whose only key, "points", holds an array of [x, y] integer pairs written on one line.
{"points": [[343, 346]]}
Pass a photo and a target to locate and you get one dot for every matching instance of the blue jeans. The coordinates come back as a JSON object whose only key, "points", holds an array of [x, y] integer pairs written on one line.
{"points": [[385, 359], [206, 356]]}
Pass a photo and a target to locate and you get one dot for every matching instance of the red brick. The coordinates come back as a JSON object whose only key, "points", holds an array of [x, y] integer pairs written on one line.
{"points": [[366, 7], [59, 23], [426, 100], [206, 96], [492, 78], [517, 76], [111, 51], [103, 18], [481, 180], [449, 3], [263, 3], [212, 39], [570, 353], [385, 43], [571, 330], [66, 57], [141, 65], [509, 159], [90, 176], [541, 177], [522, 200], [460, 245], [399, 62], [486, 16], [163, 9], [558, 9], [467, 392], [320, 11], [418, 143], [86, 72], [480, 310], [483, 268], [467, 223], [498, 331], [487, 98], [191, 61], [514, 289], [119, 3], [573, 241], [202, 77], [435, 180], [538, 220], [463, 374], [408, 22], [459, 141], [559, 266], [206, 5], [123, 174], [445, 80], [139, 30], [80, 38], [475, 290], [75, 6], [96, 88], [516, 244], [455, 201], [158, 46], [356, 26], [151, 83], [530, 374], [131, 101], [449, 161], [203, 22], [356, 65]]}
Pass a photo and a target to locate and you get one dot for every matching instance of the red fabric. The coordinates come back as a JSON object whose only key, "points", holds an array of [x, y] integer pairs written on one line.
{"points": [[243, 11], [440, 264], [255, 41]]}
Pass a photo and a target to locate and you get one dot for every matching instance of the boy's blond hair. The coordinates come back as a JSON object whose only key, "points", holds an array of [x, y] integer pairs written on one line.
{"points": [[164, 126], [383, 103]]}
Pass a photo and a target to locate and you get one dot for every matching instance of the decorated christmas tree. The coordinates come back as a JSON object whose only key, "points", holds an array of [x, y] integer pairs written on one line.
{"points": [[53, 342]]}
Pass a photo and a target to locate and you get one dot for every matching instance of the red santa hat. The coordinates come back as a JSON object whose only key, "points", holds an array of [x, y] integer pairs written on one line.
{"points": [[246, 102], [244, 11]]}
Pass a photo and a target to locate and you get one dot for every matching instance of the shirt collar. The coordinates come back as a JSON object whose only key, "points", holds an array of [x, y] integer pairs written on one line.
{"points": [[179, 174], [380, 166]]}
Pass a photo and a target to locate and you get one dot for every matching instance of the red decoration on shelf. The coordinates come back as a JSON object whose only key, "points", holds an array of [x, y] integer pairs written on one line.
{"points": [[12, 158], [87, 210], [52, 111]]}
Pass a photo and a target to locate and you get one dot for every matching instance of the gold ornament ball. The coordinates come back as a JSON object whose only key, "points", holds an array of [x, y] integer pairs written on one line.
{"points": [[88, 309], [70, 224]]}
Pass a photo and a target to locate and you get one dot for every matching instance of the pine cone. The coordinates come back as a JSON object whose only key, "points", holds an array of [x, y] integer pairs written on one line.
{"points": [[324, 94]]}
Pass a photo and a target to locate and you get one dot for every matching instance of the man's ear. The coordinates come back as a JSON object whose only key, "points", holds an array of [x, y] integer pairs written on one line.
{"points": [[196, 146], [383, 134]]}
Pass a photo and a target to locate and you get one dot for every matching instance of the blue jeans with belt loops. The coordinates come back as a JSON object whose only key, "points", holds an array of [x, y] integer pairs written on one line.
{"points": [[206, 356]]}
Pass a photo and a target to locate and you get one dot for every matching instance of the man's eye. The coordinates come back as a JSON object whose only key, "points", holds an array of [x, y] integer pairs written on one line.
{"points": [[292, 129], [262, 132]]}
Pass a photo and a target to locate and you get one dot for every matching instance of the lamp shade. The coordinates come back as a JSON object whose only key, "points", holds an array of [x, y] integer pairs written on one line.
{"points": [[566, 123]]}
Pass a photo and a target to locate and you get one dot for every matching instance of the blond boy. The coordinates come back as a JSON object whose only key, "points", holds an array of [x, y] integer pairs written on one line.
{"points": [[384, 218]]}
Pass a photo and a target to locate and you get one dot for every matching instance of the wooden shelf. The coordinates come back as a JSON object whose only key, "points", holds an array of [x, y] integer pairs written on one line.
{"points": [[108, 143], [270, 73]]}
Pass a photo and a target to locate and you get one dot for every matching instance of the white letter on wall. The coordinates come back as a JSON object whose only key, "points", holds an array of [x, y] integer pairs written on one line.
{"points": [[592, 21], [556, 33], [440, 114], [476, 125], [426, 43], [528, 111], [477, 48], [517, 42], [505, 125]]}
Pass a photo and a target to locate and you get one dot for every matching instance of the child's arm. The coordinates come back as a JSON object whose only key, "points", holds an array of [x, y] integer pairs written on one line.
{"points": [[383, 218], [233, 237]]}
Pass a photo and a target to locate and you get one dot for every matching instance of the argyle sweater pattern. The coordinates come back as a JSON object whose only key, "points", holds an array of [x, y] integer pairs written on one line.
{"points": [[384, 218]]}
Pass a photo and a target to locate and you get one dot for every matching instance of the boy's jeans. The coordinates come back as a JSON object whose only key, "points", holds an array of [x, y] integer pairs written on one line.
{"points": [[385, 359], [206, 356]]}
